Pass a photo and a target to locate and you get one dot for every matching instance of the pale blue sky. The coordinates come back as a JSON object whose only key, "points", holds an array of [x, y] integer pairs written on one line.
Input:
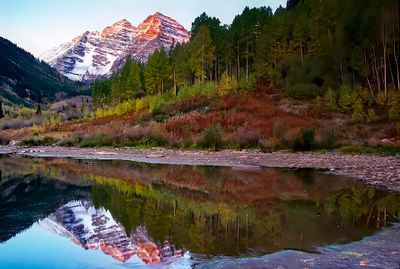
{"points": [[38, 25]]}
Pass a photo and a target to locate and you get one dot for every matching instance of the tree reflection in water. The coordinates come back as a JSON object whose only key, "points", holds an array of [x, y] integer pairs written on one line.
{"points": [[218, 210]]}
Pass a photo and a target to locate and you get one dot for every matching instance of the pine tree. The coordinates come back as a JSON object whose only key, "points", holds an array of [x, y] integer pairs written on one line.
{"points": [[1, 109], [38, 110], [125, 91], [201, 57], [115, 89], [180, 69], [157, 72], [152, 76], [330, 100], [291, 4], [133, 82], [96, 93]]}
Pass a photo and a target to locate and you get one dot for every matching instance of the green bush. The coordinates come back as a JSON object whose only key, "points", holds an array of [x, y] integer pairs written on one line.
{"points": [[154, 103], [393, 98], [349, 96], [279, 130], [38, 141], [303, 91], [227, 85], [305, 139], [371, 114], [53, 121], [97, 140], [267, 72], [211, 138], [330, 100], [328, 137], [207, 89], [367, 98], [394, 111], [157, 102], [398, 129], [358, 115], [4, 139], [247, 85], [346, 100], [375, 150], [381, 98], [269, 144]]}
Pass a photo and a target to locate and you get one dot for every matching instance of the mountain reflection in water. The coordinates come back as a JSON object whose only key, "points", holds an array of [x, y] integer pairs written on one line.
{"points": [[94, 228], [158, 212]]}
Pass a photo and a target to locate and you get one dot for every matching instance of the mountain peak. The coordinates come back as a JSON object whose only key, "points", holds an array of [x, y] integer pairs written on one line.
{"points": [[158, 14], [158, 24], [124, 23], [98, 54], [121, 25]]}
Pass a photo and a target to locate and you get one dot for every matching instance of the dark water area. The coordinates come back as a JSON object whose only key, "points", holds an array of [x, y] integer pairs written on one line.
{"points": [[65, 213]]}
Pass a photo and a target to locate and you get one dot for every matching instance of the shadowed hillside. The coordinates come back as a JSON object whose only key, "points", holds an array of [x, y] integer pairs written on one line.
{"points": [[26, 80]]}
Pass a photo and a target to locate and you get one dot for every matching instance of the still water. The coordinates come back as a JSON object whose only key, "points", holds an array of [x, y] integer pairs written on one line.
{"points": [[65, 213]]}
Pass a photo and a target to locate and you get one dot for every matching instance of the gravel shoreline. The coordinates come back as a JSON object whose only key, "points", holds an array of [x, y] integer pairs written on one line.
{"points": [[377, 251], [379, 171]]}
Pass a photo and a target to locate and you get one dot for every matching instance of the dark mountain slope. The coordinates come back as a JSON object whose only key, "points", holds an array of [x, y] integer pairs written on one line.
{"points": [[26, 80]]}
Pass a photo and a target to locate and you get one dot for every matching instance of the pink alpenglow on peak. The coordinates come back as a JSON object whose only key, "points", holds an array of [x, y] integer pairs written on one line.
{"points": [[118, 27], [159, 24], [93, 55]]}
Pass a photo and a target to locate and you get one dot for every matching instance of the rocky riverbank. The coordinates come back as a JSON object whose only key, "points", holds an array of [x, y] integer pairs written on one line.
{"points": [[379, 171], [377, 251]]}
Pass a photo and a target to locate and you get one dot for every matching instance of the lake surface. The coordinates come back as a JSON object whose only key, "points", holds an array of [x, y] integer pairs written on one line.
{"points": [[65, 213]]}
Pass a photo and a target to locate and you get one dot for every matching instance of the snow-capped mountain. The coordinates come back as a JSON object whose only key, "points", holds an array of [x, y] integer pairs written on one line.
{"points": [[93, 228], [96, 54]]}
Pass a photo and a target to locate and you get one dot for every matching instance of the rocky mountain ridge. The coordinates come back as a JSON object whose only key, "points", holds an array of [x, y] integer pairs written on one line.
{"points": [[95, 54]]}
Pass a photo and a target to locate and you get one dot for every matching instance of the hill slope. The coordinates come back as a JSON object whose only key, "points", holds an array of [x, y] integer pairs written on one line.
{"points": [[26, 80]]}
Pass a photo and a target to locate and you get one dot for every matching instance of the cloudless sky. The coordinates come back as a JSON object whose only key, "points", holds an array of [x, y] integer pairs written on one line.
{"points": [[38, 25]]}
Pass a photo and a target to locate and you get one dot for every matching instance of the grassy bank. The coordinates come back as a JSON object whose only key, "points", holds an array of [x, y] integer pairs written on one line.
{"points": [[203, 118]]}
